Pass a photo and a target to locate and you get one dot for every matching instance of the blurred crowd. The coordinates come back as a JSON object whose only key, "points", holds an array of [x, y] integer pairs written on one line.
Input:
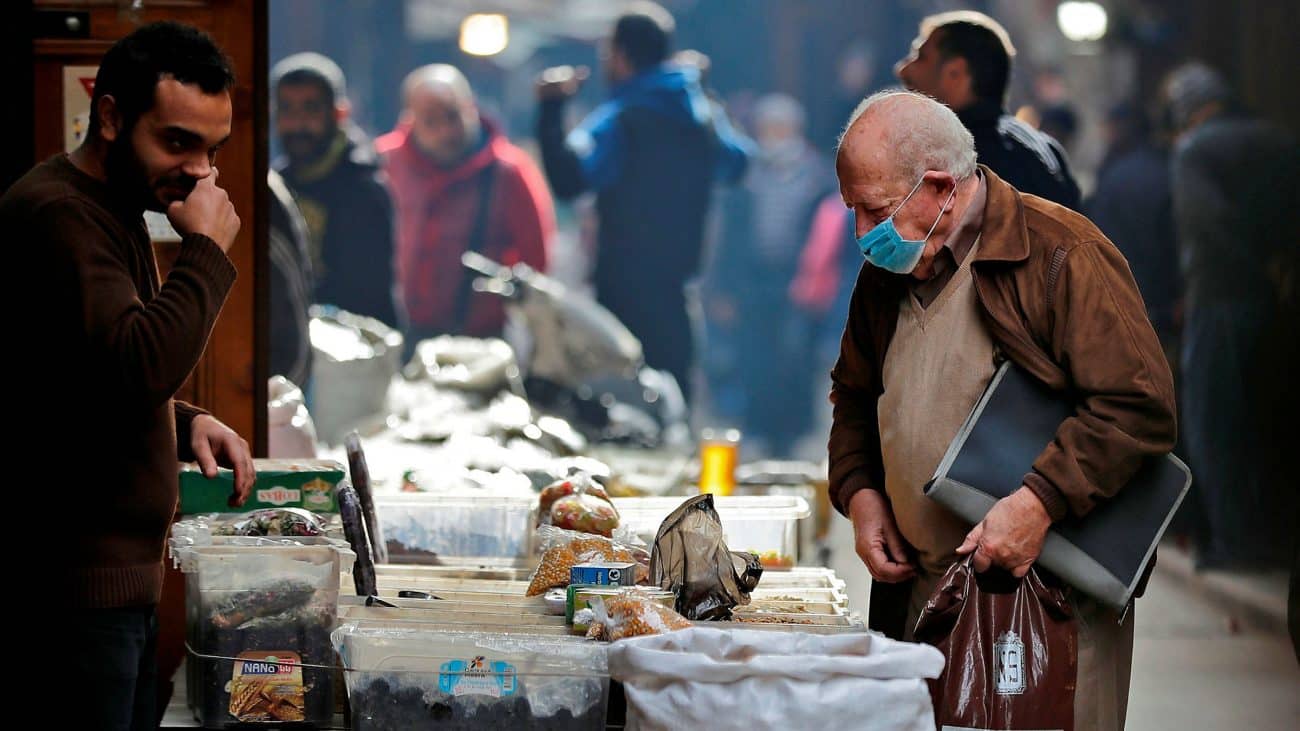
{"points": [[715, 231]]}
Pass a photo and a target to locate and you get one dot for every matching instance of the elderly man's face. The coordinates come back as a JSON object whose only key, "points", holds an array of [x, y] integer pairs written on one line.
{"points": [[872, 189], [444, 126]]}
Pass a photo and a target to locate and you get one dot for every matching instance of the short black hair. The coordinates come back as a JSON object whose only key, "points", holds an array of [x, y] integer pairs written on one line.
{"points": [[644, 34], [132, 68], [314, 69], [982, 42]]}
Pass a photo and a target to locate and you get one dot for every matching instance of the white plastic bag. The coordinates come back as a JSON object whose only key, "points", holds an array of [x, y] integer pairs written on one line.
{"points": [[467, 364], [354, 361], [754, 680], [290, 431]]}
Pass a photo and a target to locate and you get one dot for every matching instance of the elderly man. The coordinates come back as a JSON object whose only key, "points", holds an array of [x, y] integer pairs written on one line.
{"points": [[963, 269], [460, 185]]}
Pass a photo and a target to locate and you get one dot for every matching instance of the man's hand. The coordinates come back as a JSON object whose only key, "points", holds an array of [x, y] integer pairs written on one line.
{"points": [[877, 540], [1011, 534], [561, 82], [208, 211], [216, 444]]}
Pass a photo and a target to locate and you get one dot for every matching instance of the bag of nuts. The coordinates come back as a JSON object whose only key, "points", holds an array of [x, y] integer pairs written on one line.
{"points": [[565, 549], [631, 614]]}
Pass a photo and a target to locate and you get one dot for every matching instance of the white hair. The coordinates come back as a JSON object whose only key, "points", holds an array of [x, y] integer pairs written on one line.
{"points": [[437, 76], [921, 134]]}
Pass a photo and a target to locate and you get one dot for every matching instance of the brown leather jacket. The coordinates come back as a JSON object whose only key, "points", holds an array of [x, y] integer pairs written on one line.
{"points": [[1059, 301]]}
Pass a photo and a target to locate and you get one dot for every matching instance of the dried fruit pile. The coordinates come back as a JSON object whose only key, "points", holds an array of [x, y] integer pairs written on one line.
{"points": [[380, 706]]}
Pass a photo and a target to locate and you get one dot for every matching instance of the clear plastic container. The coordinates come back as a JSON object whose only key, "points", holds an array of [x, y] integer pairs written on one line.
{"points": [[426, 528], [258, 620], [765, 525], [415, 677]]}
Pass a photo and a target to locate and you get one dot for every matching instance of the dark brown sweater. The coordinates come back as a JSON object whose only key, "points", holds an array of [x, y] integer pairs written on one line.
{"points": [[113, 343]]}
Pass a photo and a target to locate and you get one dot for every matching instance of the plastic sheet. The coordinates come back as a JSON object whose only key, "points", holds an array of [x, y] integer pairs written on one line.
{"points": [[691, 560]]}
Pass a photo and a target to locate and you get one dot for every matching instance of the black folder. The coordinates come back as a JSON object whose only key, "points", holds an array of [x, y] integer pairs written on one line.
{"points": [[1104, 553]]}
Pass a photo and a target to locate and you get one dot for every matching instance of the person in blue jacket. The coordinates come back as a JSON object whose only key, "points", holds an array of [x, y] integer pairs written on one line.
{"points": [[651, 153]]}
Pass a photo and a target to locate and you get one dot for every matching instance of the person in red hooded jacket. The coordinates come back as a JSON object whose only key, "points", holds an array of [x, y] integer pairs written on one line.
{"points": [[459, 185]]}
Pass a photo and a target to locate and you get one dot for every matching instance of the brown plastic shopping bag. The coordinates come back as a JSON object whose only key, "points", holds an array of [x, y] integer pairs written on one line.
{"points": [[1011, 648]]}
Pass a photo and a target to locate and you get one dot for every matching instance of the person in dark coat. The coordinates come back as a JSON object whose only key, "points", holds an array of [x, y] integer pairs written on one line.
{"points": [[291, 286], [1132, 205], [651, 154], [963, 59], [334, 173], [1236, 186]]}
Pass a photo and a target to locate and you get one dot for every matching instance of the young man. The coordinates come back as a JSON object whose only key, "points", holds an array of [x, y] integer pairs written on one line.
{"points": [[963, 59], [116, 343], [333, 172], [651, 154]]}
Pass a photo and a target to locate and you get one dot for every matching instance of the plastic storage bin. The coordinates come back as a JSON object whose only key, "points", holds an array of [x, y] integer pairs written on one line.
{"points": [[420, 677], [425, 528], [257, 623], [765, 525]]}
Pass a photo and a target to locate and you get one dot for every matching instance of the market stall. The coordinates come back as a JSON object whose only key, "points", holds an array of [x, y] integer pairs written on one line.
{"points": [[478, 553]]}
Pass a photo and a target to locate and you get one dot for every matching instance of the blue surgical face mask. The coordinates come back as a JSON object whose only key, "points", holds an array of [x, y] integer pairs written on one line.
{"points": [[885, 248]]}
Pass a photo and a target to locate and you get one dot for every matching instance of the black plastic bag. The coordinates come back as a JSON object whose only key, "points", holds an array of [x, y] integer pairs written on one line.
{"points": [[691, 560], [354, 528]]}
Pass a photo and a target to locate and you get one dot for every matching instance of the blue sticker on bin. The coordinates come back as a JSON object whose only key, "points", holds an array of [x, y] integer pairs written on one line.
{"points": [[478, 677]]}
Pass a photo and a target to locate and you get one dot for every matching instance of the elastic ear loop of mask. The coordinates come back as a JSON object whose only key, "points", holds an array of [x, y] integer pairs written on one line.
{"points": [[917, 187]]}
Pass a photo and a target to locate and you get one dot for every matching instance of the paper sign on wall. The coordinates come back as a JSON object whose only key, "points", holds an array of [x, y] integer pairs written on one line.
{"points": [[78, 83]]}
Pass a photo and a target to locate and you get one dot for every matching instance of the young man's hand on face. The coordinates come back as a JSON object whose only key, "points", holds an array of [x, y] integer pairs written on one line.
{"points": [[208, 211]]}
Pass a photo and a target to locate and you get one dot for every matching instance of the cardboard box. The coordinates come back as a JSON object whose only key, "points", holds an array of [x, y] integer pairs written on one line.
{"points": [[604, 574], [281, 483]]}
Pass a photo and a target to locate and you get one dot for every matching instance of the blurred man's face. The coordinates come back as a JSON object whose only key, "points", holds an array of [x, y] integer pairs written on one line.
{"points": [[615, 64], [305, 120], [443, 125], [927, 71], [775, 135], [161, 157]]}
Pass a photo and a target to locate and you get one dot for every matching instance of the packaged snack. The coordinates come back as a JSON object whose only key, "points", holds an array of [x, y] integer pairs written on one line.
{"points": [[630, 614], [585, 513], [273, 522], [578, 483]]}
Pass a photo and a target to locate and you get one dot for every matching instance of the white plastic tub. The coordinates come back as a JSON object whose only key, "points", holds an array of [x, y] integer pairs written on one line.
{"points": [[426, 528], [417, 677], [765, 525]]}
